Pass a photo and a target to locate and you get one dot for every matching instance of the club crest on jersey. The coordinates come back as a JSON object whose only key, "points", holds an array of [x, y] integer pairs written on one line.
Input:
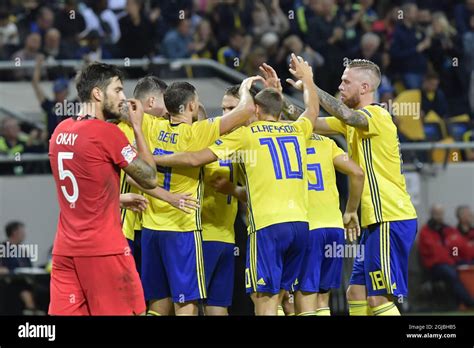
{"points": [[129, 153]]}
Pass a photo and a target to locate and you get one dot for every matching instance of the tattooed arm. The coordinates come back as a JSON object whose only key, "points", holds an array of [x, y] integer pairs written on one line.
{"points": [[338, 109]]}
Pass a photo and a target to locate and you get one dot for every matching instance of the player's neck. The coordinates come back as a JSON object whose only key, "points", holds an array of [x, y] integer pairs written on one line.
{"points": [[91, 109], [268, 118], [365, 101], [181, 118]]}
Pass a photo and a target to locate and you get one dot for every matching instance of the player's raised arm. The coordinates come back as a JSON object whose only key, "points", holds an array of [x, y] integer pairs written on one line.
{"points": [[186, 159], [142, 168], [302, 71], [242, 112], [345, 165]]}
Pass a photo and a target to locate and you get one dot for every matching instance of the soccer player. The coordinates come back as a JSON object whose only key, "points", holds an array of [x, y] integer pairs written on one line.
{"points": [[273, 158], [388, 216], [172, 259], [219, 211], [149, 91], [92, 272], [322, 272]]}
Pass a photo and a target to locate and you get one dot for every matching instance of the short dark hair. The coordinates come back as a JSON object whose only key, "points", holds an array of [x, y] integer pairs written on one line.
{"points": [[270, 101], [12, 226], [178, 94], [95, 75], [234, 91], [147, 85]]}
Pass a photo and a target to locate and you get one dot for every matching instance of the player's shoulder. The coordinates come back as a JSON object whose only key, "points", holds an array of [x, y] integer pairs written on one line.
{"points": [[375, 110], [203, 124]]}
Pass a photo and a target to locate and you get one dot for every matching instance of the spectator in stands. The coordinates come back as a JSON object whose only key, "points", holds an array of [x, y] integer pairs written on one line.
{"points": [[135, 25], [466, 223], [432, 97], [103, 20], [60, 90], [359, 18], [15, 232], [205, 44], [268, 19], [52, 48], [326, 36], [439, 247], [369, 49], [385, 27], [9, 37], [11, 143], [462, 15], [408, 47], [44, 21], [235, 54], [255, 59], [30, 51], [72, 24], [230, 16], [94, 50], [178, 42], [293, 44], [445, 55]]}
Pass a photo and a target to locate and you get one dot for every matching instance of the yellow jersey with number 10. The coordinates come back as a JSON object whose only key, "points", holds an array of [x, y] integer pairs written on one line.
{"points": [[273, 163], [323, 197], [377, 151]]}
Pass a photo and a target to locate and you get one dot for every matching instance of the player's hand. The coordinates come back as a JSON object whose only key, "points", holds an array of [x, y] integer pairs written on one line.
{"points": [[223, 185], [135, 112], [351, 226], [300, 68], [271, 77], [184, 202], [133, 202], [296, 84], [248, 82]]}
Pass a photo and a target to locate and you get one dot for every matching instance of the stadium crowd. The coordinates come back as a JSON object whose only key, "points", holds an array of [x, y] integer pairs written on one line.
{"points": [[424, 45]]}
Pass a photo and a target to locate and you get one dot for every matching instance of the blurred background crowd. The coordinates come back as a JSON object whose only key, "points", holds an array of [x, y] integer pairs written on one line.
{"points": [[425, 45]]}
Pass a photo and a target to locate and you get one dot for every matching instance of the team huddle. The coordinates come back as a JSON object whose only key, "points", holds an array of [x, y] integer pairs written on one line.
{"points": [[158, 171]]}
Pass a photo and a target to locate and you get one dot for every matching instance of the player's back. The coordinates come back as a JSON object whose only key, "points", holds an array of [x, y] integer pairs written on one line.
{"points": [[274, 167], [323, 196], [86, 156], [167, 138]]}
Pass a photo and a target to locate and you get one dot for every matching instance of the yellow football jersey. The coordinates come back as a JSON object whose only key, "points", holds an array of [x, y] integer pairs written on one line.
{"points": [[218, 210], [131, 221], [323, 197], [377, 151], [167, 138], [273, 163]]}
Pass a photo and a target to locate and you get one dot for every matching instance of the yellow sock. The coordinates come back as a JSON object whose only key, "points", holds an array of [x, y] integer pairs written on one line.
{"points": [[151, 313], [386, 309], [358, 308], [290, 314], [280, 312], [323, 311], [306, 314]]}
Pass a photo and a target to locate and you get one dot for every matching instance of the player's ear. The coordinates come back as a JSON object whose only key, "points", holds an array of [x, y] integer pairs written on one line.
{"points": [[97, 94], [150, 102]]}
